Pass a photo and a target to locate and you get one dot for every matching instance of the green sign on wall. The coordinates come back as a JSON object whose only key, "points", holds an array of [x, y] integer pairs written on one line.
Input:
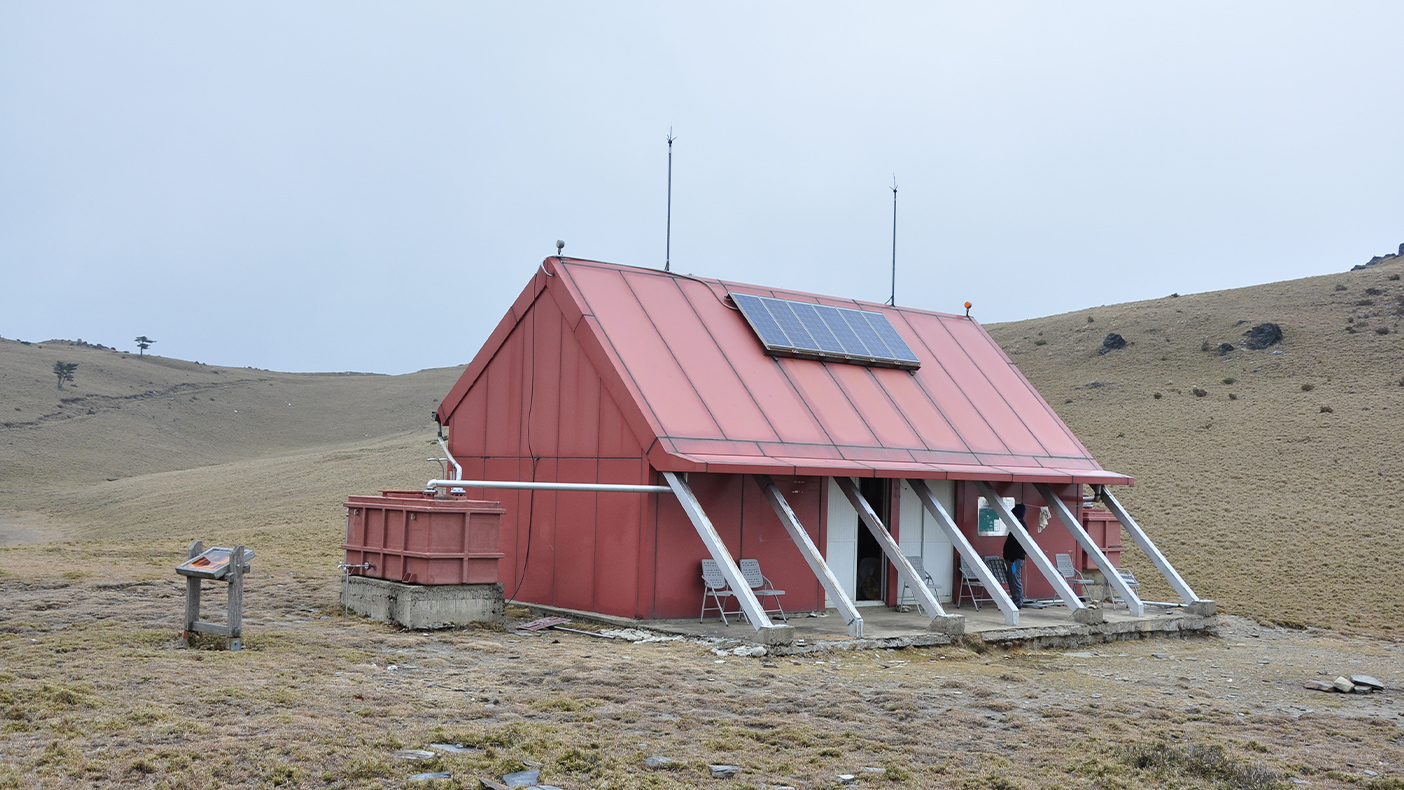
{"points": [[989, 524]]}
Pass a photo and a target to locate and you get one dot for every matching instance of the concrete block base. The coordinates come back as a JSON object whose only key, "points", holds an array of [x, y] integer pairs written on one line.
{"points": [[1203, 608], [950, 625], [1089, 616], [424, 606], [779, 635]]}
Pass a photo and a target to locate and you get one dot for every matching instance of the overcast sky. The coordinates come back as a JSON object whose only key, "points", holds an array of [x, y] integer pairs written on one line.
{"points": [[367, 186]]}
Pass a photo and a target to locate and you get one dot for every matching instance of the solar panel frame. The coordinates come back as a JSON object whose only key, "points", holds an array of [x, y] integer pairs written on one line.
{"points": [[806, 330]]}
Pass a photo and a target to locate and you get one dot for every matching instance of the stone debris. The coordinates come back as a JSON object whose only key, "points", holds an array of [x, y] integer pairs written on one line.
{"points": [[724, 771], [416, 755], [1356, 684], [638, 636], [489, 784], [453, 748], [847, 779], [522, 778], [658, 761], [426, 777], [754, 651]]}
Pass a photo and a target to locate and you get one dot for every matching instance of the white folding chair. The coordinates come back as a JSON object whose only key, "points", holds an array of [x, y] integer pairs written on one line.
{"points": [[1130, 579], [762, 587], [915, 560], [1071, 574], [971, 585], [714, 587]]}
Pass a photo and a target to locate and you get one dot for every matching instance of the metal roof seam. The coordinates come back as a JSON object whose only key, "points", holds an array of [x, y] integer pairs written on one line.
{"points": [[947, 373], [1017, 414], [682, 370]]}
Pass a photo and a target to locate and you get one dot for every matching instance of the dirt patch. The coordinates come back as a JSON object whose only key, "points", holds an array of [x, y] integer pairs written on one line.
{"points": [[18, 529]]}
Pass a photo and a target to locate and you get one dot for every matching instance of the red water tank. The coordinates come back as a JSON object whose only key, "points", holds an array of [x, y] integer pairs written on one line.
{"points": [[413, 537]]}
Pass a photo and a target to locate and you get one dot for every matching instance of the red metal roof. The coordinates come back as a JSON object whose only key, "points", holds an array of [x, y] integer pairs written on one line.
{"points": [[696, 383]]}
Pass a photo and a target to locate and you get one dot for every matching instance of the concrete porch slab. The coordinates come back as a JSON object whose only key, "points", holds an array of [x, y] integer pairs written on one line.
{"points": [[884, 627]]}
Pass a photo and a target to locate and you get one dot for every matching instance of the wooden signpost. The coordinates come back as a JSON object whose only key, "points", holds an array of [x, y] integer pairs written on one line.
{"points": [[218, 563]]}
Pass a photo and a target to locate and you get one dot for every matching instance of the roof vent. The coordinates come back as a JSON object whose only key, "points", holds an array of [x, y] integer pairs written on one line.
{"points": [[834, 334]]}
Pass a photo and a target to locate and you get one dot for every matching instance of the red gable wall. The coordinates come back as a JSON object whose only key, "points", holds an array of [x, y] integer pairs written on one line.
{"points": [[536, 409]]}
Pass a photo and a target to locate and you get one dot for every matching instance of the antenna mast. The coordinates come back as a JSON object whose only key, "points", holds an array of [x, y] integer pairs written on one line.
{"points": [[892, 300], [668, 245]]}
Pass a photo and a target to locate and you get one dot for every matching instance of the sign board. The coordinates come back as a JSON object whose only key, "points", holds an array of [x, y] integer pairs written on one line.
{"points": [[990, 524], [212, 564]]}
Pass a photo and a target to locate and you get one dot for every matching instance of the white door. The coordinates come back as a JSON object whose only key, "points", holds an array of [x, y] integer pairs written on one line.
{"points": [[920, 535], [841, 547]]}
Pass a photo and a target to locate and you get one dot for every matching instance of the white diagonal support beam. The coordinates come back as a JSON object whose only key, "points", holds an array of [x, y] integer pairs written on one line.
{"points": [[967, 551], [1040, 560], [1060, 509], [755, 613], [811, 555], [894, 554], [1143, 540]]}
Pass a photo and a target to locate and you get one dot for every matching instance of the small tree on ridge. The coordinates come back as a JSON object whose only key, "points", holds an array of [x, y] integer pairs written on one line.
{"points": [[64, 371], [143, 342]]}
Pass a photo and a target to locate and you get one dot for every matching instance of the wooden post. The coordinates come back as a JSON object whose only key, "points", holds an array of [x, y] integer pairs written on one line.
{"points": [[234, 637], [192, 592]]}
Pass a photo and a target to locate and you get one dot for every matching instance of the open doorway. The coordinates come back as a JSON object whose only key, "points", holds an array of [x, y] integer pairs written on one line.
{"points": [[871, 581]]}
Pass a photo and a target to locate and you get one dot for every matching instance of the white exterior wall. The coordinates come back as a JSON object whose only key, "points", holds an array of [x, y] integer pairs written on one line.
{"points": [[841, 545], [919, 534]]}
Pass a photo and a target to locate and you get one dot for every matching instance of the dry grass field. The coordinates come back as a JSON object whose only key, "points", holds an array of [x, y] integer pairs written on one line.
{"points": [[1281, 511]]}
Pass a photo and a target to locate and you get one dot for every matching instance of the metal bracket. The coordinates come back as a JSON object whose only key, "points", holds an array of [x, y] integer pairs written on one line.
{"points": [[1060, 509], [755, 613], [1040, 560], [812, 555], [967, 551], [1143, 540], [894, 554]]}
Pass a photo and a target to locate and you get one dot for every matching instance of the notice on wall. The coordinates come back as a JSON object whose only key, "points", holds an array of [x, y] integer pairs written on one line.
{"points": [[990, 524]]}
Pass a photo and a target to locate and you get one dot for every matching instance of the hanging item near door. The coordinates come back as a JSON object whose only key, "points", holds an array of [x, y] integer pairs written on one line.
{"points": [[990, 524], [1043, 516]]}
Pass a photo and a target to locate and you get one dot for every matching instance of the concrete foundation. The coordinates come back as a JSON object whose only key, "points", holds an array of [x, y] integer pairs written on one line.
{"points": [[422, 606], [950, 625], [1088, 616], [776, 636]]}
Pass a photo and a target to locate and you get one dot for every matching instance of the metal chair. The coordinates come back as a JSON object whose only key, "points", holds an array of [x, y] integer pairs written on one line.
{"points": [[761, 587], [715, 587], [1130, 579], [971, 585], [915, 560], [1071, 574]]}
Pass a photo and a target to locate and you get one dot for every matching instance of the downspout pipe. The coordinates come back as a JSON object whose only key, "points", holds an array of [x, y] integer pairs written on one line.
{"points": [[457, 468]]}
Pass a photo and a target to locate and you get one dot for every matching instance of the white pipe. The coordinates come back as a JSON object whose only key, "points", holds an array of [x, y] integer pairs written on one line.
{"points": [[520, 484], [458, 470]]}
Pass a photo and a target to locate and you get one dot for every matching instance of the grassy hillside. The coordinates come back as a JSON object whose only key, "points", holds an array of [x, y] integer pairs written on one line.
{"points": [[151, 452], [1275, 490], [125, 415]]}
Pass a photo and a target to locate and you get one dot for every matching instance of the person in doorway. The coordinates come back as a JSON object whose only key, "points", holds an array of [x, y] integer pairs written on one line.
{"points": [[1014, 555]]}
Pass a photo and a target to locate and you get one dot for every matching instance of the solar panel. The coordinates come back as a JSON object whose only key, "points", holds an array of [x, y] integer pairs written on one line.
{"points": [[815, 331]]}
